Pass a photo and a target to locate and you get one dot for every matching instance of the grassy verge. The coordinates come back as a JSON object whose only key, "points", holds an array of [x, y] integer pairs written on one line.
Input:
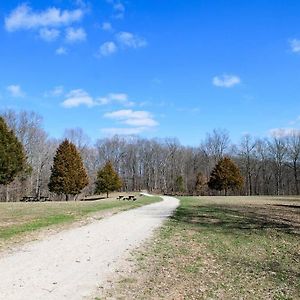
{"points": [[220, 248], [17, 219]]}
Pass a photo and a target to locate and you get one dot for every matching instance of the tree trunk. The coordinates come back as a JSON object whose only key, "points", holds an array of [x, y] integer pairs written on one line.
{"points": [[107, 194], [67, 197], [296, 177], [6, 193]]}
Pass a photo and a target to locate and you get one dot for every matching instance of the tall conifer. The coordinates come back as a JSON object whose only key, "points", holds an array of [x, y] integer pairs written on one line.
{"points": [[107, 180], [68, 174], [12, 154], [225, 176]]}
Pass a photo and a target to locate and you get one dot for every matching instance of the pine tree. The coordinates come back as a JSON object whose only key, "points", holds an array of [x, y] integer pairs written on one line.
{"points": [[68, 174], [225, 176], [107, 180], [12, 155]]}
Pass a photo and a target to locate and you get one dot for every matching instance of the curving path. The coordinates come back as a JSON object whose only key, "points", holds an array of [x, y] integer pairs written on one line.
{"points": [[72, 263]]}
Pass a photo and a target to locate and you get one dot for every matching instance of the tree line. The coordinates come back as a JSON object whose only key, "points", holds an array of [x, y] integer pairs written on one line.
{"points": [[267, 166]]}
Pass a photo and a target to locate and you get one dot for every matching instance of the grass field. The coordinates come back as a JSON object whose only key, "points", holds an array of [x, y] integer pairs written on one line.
{"points": [[20, 219], [220, 248]]}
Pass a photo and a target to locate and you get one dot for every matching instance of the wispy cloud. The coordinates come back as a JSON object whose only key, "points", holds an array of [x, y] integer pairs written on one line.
{"points": [[138, 122], [130, 40], [106, 26], [15, 91], [107, 48], [24, 17], [123, 131], [61, 51], [295, 121], [118, 7], [55, 92], [80, 97], [115, 98], [49, 35], [74, 35], [295, 45], [133, 118], [77, 98], [284, 132], [226, 81]]}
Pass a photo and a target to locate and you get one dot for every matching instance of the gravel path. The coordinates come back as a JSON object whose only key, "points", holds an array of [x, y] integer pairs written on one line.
{"points": [[72, 263]]}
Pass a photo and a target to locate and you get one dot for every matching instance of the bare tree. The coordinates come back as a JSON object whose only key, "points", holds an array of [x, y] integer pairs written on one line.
{"points": [[293, 153], [248, 158], [278, 151]]}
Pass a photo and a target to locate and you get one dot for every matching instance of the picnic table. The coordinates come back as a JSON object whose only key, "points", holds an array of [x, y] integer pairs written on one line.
{"points": [[34, 199], [130, 197]]}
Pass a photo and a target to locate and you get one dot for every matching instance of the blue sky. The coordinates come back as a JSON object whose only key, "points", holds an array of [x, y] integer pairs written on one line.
{"points": [[151, 67]]}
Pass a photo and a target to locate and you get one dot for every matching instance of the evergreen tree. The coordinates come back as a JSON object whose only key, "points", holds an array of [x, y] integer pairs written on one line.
{"points": [[179, 184], [225, 175], [68, 174], [12, 155], [107, 180]]}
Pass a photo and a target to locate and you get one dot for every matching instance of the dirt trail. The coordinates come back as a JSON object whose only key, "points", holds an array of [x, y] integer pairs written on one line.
{"points": [[72, 263]]}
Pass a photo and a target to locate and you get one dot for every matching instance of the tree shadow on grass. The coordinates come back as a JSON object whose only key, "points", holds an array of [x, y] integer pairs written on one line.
{"points": [[239, 218]]}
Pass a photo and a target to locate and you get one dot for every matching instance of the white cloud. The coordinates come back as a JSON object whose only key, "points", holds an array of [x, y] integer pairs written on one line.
{"points": [[118, 8], [61, 51], [75, 35], [106, 26], [24, 18], [139, 121], [226, 81], [293, 122], [78, 97], [15, 91], [55, 92], [130, 40], [123, 131], [107, 49], [82, 4], [118, 98], [283, 132], [295, 45], [133, 118], [49, 35]]}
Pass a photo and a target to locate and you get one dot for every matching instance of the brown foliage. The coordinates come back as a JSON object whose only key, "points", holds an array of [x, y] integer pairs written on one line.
{"points": [[225, 176], [68, 173]]}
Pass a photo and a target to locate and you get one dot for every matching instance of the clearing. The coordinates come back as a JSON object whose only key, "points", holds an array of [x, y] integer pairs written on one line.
{"points": [[22, 222], [219, 248], [71, 264]]}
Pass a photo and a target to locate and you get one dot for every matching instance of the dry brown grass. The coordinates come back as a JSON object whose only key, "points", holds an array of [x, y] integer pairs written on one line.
{"points": [[220, 248]]}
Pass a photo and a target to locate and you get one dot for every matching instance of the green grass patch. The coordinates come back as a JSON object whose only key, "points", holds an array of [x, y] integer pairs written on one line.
{"points": [[11, 231], [20, 218]]}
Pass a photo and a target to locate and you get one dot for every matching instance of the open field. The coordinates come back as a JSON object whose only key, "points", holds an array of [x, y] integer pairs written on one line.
{"points": [[220, 248], [19, 221], [76, 263]]}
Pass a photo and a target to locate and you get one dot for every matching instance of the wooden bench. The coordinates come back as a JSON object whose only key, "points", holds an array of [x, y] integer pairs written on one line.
{"points": [[92, 198]]}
